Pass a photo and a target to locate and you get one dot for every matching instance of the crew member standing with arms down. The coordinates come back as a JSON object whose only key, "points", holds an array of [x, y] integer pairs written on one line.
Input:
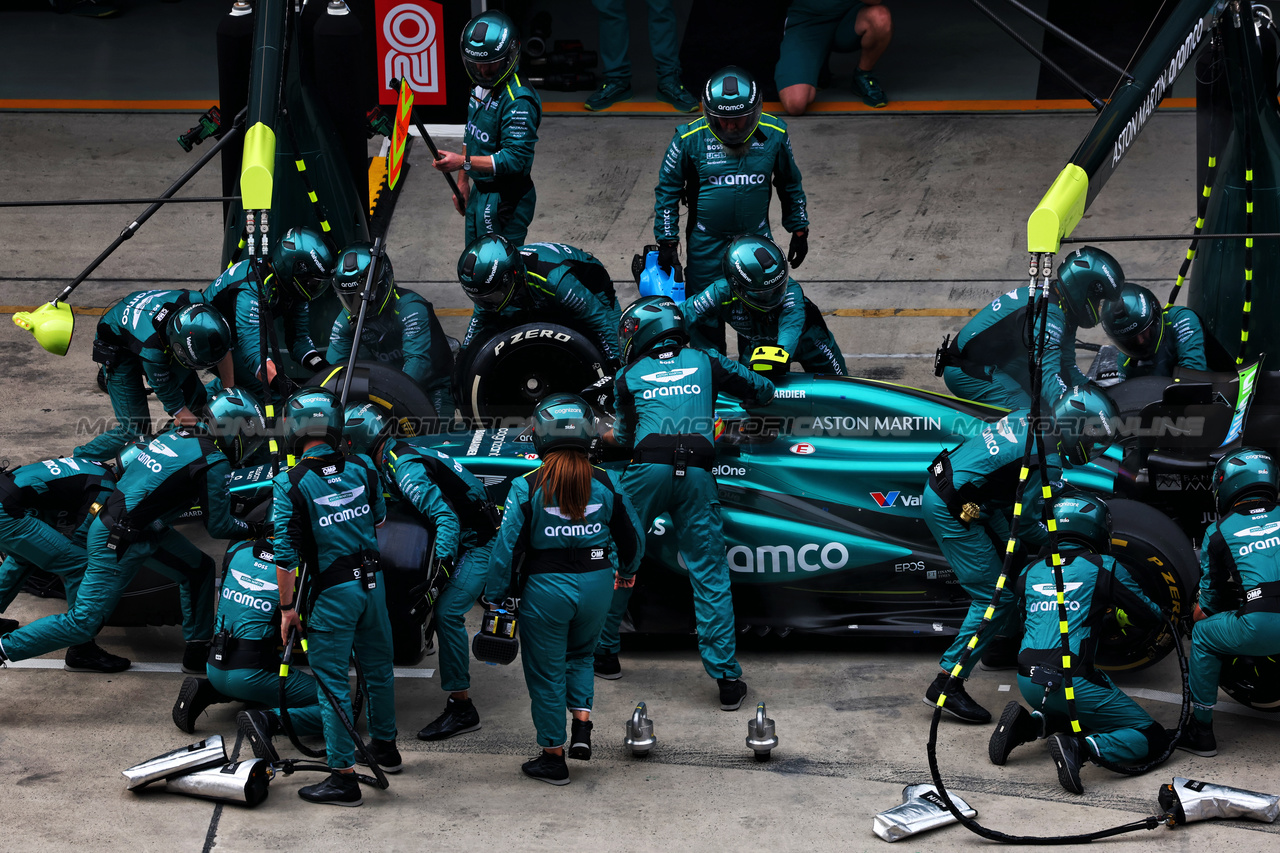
{"points": [[665, 403], [551, 281], [164, 336], [503, 115], [767, 308], [573, 536], [446, 496], [326, 509], [1238, 612], [45, 512], [400, 327], [1152, 341], [184, 467], [989, 360], [722, 166], [968, 507], [1094, 585]]}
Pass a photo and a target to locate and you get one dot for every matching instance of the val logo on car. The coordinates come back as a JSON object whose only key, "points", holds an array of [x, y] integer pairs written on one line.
{"points": [[887, 499]]}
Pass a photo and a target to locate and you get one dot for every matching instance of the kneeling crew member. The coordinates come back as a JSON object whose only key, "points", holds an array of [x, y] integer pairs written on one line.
{"points": [[669, 426], [1238, 612], [1152, 341], [1120, 732], [766, 307], [45, 512], [572, 535], [968, 507]]}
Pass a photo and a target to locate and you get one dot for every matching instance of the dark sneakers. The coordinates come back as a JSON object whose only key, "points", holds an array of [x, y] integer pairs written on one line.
{"points": [[868, 88], [258, 727], [547, 767], [385, 753], [195, 695], [732, 692], [958, 703], [1198, 739], [340, 789], [672, 92], [606, 665], [1015, 727], [609, 94], [1069, 755], [90, 657], [580, 740], [194, 658], [459, 717]]}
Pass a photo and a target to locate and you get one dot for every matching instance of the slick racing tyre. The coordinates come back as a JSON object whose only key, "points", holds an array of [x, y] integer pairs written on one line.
{"points": [[405, 546], [1159, 557], [506, 375], [387, 387], [150, 600], [1252, 681]]}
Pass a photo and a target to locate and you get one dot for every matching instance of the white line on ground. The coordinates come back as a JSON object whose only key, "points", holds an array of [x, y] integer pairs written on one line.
{"points": [[43, 663], [1176, 699], [888, 354]]}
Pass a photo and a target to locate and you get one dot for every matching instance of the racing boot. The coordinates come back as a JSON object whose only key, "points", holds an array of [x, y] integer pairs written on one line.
{"points": [[194, 696], [8, 626], [547, 767], [580, 740], [90, 657], [385, 753], [1069, 755], [258, 727], [194, 658], [732, 692], [1198, 739], [958, 704], [340, 789], [1016, 726], [459, 717], [606, 665]]}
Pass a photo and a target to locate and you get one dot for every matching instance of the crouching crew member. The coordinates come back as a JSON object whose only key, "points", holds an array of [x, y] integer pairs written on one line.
{"points": [[45, 512], [1153, 341], [325, 511], [1238, 612], [184, 467], [1093, 583], [670, 427], [766, 307], [455, 505], [572, 535], [968, 507]]}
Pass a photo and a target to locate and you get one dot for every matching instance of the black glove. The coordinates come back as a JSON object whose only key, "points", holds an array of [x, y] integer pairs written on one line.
{"points": [[283, 386], [667, 254], [599, 394], [315, 362], [799, 248]]}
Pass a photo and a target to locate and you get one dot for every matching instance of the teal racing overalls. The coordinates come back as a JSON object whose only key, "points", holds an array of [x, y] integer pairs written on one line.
{"points": [[502, 122], [1181, 345], [665, 406], [1120, 732], [796, 326], [983, 471], [326, 509], [1240, 590], [567, 566]]}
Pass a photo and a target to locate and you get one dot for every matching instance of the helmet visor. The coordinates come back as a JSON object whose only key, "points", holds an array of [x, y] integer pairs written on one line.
{"points": [[487, 73], [1144, 343], [735, 129], [764, 300]]}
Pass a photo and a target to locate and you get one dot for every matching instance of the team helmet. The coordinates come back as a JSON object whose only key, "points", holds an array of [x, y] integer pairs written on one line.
{"points": [[365, 426], [1134, 321], [490, 48], [563, 421], [647, 323], [757, 272], [198, 336], [1087, 277], [490, 271], [1085, 419], [732, 104], [1247, 473], [349, 278], [310, 414], [236, 420], [304, 261], [1082, 520]]}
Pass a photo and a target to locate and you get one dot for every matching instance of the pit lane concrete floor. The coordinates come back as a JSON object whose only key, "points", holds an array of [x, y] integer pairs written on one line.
{"points": [[908, 213]]}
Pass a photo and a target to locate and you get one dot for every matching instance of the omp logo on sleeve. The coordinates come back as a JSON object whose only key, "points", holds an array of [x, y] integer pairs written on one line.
{"points": [[251, 583], [673, 375]]}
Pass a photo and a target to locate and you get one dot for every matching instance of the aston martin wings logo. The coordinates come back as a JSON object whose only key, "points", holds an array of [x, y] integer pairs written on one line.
{"points": [[341, 498], [1262, 530], [673, 375], [249, 582], [1050, 589], [559, 513], [158, 446]]}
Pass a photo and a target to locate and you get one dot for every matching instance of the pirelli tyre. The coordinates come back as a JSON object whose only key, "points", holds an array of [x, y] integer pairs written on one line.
{"points": [[1253, 681], [1159, 557], [385, 386], [405, 546], [506, 375], [150, 599]]}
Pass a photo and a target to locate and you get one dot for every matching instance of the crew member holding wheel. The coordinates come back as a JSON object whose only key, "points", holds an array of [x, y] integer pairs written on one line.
{"points": [[968, 507], [1094, 585], [165, 336], [556, 282], [767, 308], [665, 403], [1238, 611], [400, 327], [503, 115], [573, 536]]}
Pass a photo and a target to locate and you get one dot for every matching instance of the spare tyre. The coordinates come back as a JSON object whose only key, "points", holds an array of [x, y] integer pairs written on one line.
{"points": [[506, 375], [1252, 680], [405, 556], [385, 386]]}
